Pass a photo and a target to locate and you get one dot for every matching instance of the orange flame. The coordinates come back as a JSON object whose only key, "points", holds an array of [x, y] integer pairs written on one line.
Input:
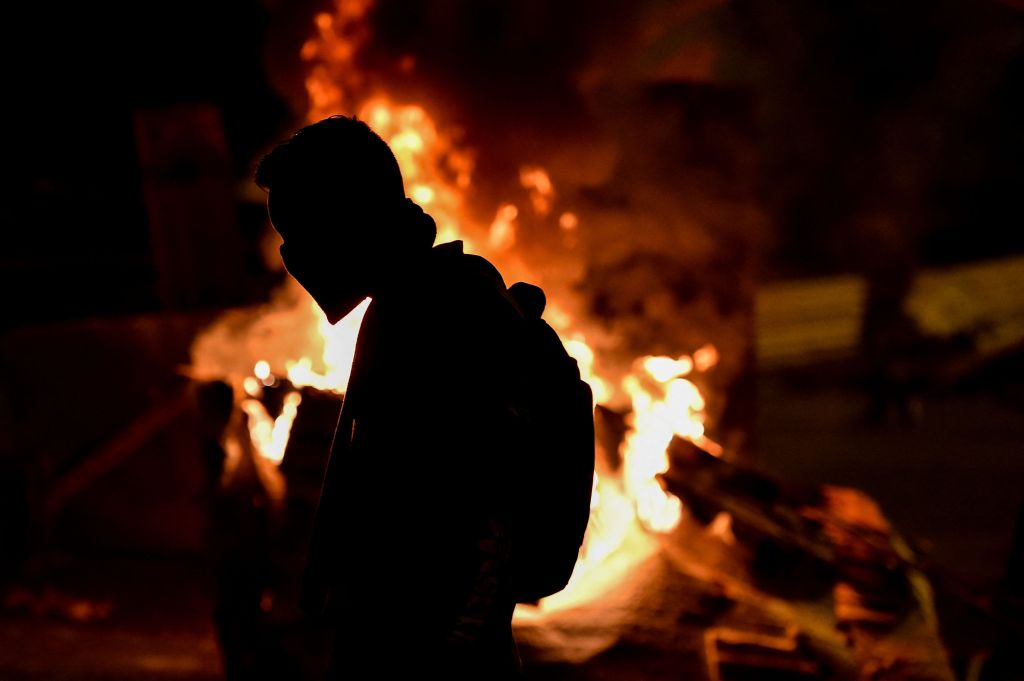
{"points": [[503, 229], [339, 344], [270, 435], [542, 191], [664, 403], [438, 174]]}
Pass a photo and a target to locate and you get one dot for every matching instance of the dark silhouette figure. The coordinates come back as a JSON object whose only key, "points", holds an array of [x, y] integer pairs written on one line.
{"points": [[242, 519], [410, 547]]}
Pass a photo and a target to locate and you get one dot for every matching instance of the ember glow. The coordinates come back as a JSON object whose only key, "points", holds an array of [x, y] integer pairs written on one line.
{"points": [[536, 180], [503, 229], [627, 504], [270, 435], [664, 405], [339, 342]]}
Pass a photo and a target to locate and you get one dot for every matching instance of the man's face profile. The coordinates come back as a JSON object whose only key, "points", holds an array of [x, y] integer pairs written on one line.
{"points": [[324, 248]]}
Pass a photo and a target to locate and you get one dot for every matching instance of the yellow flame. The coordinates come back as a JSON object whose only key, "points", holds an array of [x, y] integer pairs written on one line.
{"points": [[503, 229], [334, 77], [339, 347], [422, 194], [664, 369], [262, 370], [664, 406], [252, 386], [537, 181], [579, 350], [270, 436], [438, 174]]}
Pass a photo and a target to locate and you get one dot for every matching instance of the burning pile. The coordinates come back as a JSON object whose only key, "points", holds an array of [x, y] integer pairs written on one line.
{"points": [[291, 338], [656, 573]]}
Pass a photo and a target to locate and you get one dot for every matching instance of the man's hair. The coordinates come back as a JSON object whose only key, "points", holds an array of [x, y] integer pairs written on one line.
{"points": [[338, 150]]}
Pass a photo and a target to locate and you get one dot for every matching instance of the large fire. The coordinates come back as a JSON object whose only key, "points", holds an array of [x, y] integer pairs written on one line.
{"points": [[627, 503]]}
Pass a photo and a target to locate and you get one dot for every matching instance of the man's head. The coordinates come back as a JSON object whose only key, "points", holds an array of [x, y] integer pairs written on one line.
{"points": [[335, 194]]}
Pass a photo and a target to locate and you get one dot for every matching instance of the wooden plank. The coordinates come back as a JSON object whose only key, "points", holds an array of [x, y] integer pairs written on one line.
{"points": [[111, 454]]}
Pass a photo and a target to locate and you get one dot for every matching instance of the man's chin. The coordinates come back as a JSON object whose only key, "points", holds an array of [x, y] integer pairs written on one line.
{"points": [[339, 310]]}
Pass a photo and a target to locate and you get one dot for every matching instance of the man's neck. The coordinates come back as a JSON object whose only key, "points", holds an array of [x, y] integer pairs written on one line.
{"points": [[402, 271]]}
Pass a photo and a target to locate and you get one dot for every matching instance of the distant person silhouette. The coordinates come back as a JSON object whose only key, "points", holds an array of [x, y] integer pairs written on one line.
{"points": [[409, 551], [242, 520]]}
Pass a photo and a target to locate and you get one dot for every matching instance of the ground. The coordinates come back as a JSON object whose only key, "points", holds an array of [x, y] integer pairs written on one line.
{"points": [[951, 483]]}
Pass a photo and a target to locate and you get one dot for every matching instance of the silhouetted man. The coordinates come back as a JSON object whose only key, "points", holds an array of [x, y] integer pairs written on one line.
{"points": [[242, 520], [410, 544]]}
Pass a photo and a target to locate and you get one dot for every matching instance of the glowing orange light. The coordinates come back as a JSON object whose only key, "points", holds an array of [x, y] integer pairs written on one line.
{"points": [[439, 173], [422, 194], [664, 369], [262, 370], [538, 182], [503, 229], [270, 436], [706, 357], [252, 386]]}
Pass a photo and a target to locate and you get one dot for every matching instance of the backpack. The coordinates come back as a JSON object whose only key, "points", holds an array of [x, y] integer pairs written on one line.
{"points": [[554, 475]]}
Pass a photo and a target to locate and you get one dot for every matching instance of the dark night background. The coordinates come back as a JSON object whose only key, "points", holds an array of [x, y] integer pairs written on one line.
{"points": [[911, 107], [865, 138]]}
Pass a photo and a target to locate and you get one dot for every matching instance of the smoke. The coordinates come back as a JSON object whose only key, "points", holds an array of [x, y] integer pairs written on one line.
{"points": [[696, 144], [879, 122], [654, 160], [282, 329]]}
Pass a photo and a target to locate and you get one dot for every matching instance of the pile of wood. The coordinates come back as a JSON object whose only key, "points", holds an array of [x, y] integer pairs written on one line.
{"points": [[880, 601]]}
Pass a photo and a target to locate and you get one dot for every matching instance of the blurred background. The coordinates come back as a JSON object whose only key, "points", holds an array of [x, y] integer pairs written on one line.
{"points": [[782, 238]]}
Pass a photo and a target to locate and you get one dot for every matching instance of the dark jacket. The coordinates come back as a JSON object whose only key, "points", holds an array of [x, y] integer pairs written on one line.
{"points": [[409, 544]]}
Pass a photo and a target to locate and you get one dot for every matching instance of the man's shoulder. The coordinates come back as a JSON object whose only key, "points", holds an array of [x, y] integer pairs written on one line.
{"points": [[470, 296], [451, 259], [467, 278]]}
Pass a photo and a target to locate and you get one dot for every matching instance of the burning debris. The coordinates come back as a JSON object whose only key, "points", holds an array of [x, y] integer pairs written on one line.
{"points": [[291, 338], [676, 533]]}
